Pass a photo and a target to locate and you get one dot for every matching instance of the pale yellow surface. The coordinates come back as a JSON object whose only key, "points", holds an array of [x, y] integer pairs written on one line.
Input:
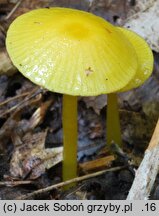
{"points": [[145, 59], [71, 51]]}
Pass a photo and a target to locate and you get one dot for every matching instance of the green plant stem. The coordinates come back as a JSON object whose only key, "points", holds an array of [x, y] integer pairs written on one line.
{"points": [[113, 121], [69, 119]]}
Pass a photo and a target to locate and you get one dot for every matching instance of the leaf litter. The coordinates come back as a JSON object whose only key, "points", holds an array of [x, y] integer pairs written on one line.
{"points": [[31, 126]]}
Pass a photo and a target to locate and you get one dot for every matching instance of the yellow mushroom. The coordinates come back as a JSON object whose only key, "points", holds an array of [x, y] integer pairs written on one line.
{"points": [[144, 70], [71, 52], [74, 53]]}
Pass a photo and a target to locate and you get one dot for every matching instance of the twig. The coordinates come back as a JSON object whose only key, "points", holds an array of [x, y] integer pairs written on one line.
{"points": [[13, 10], [13, 98], [34, 93], [14, 183], [61, 184], [147, 171], [75, 190], [2, 30]]}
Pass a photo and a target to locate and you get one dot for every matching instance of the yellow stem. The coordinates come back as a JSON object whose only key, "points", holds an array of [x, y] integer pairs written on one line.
{"points": [[69, 120], [113, 121]]}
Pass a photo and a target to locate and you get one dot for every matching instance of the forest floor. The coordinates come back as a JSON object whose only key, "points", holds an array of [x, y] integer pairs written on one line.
{"points": [[31, 125]]}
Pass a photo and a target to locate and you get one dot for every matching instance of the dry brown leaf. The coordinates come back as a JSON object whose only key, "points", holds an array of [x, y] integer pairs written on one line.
{"points": [[97, 103], [144, 21], [96, 130], [48, 158], [31, 158], [111, 10]]}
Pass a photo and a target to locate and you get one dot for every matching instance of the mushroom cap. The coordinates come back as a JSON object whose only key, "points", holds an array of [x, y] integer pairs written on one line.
{"points": [[71, 52], [145, 59]]}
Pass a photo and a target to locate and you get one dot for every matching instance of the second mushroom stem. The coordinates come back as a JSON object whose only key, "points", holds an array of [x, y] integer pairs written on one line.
{"points": [[113, 122], [70, 137]]}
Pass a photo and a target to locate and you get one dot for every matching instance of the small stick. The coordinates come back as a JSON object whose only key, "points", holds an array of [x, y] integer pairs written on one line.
{"points": [[14, 183], [13, 98], [147, 171], [33, 93], [61, 184], [13, 10]]}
